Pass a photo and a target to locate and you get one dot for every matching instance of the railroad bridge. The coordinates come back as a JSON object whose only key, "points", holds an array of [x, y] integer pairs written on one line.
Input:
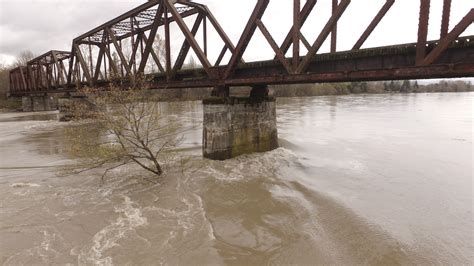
{"points": [[139, 43]]}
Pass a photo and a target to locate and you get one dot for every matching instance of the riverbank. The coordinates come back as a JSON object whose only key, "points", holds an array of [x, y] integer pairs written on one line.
{"points": [[327, 89]]}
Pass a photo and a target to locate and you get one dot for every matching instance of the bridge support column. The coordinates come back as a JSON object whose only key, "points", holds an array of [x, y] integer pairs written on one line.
{"points": [[235, 126], [38, 103], [27, 104], [220, 91]]}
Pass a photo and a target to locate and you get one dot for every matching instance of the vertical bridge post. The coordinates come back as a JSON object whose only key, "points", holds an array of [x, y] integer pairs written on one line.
{"points": [[239, 125]]}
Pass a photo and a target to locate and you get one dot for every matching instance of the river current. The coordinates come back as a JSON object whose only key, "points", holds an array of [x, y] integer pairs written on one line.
{"points": [[358, 180]]}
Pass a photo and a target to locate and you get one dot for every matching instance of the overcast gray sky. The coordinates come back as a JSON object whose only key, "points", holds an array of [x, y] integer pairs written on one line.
{"points": [[43, 25]]}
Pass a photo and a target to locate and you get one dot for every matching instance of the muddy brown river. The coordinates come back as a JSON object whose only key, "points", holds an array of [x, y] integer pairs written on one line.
{"points": [[358, 180]]}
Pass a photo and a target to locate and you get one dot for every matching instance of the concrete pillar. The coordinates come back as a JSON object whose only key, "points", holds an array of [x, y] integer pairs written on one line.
{"points": [[220, 91], [27, 104], [235, 126], [37, 103], [65, 108]]}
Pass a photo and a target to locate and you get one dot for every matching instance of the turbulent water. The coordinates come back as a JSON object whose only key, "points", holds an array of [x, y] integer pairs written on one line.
{"points": [[358, 180]]}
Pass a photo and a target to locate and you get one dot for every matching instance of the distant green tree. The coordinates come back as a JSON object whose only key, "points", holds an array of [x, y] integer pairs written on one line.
{"points": [[406, 87], [444, 84], [357, 87], [364, 87], [416, 85], [392, 86]]}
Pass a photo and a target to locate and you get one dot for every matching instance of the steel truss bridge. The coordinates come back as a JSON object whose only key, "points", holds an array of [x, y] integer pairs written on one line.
{"points": [[102, 56]]}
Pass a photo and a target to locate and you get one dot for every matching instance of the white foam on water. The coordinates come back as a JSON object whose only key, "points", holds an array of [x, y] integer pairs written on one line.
{"points": [[185, 221], [226, 175], [106, 193], [43, 124], [130, 218], [211, 232], [22, 185], [249, 166]]}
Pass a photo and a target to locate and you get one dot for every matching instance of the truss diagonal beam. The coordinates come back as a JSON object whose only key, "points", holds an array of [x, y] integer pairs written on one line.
{"points": [[335, 3], [23, 78], [249, 30], [228, 43], [102, 48], [151, 38], [296, 33], [445, 18], [274, 45], [305, 42], [450, 38], [154, 55], [323, 35], [190, 38], [380, 15], [59, 66], [305, 12], [219, 30], [186, 46], [118, 49], [422, 30], [112, 62], [84, 66]]}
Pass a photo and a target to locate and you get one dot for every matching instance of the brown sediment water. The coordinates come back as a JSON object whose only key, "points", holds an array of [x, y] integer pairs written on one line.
{"points": [[358, 180]]}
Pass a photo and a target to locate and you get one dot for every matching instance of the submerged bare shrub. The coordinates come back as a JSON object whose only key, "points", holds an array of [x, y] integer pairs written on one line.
{"points": [[127, 127]]}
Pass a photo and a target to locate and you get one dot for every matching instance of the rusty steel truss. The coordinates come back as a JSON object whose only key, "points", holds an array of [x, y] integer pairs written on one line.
{"points": [[126, 47], [46, 72]]}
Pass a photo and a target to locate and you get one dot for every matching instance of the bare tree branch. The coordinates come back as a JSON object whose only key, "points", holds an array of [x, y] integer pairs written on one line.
{"points": [[133, 130]]}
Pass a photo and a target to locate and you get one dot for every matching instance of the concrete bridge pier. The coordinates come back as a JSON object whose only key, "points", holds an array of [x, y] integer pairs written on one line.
{"points": [[38, 103], [239, 125]]}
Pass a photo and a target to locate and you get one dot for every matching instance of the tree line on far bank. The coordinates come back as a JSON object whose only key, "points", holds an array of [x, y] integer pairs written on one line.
{"points": [[405, 86]]}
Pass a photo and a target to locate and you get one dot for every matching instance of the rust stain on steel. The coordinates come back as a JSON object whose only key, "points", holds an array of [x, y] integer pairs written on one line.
{"points": [[335, 3], [450, 38], [445, 18], [422, 30]]}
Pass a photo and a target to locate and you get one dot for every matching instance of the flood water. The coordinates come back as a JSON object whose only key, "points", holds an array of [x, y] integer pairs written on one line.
{"points": [[358, 180]]}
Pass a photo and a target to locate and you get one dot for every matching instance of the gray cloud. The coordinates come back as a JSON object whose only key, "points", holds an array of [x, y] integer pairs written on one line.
{"points": [[40, 26]]}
